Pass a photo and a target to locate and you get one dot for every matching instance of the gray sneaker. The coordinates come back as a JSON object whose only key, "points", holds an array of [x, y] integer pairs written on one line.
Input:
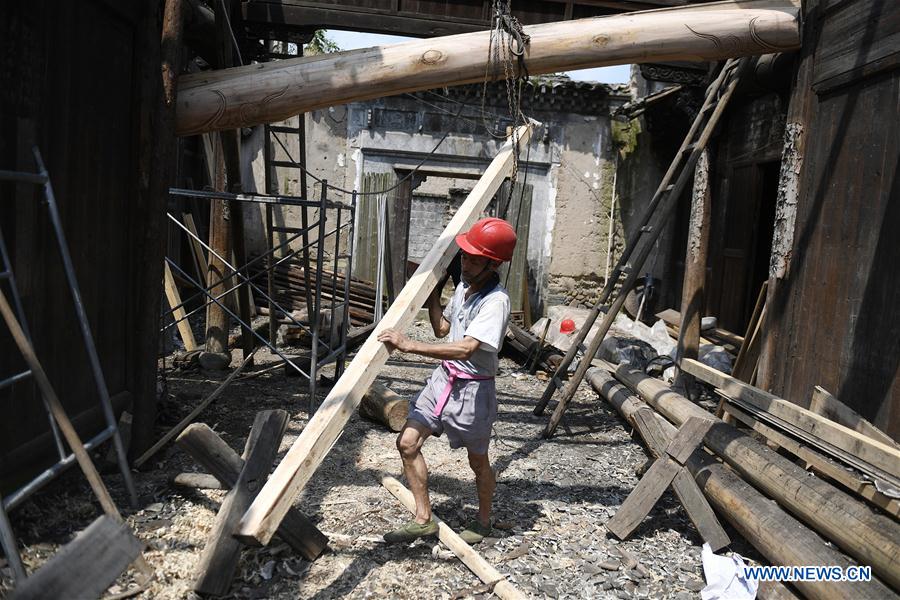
{"points": [[475, 532], [411, 531]]}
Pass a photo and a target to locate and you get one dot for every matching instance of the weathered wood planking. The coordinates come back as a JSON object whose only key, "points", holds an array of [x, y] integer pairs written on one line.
{"points": [[86, 566]]}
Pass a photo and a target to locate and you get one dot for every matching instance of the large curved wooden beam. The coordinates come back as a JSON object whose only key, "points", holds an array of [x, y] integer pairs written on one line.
{"points": [[263, 93]]}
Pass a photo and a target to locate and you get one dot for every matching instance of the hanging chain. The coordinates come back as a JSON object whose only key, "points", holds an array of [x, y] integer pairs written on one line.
{"points": [[506, 46]]}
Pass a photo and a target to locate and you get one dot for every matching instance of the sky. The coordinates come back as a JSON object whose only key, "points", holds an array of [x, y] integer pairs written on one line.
{"points": [[350, 40]]}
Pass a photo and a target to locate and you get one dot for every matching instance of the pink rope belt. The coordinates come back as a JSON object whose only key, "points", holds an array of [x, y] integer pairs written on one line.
{"points": [[453, 374]]}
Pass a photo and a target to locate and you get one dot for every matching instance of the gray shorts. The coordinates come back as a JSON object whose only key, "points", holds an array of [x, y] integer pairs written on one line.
{"points": [[467, 417]]}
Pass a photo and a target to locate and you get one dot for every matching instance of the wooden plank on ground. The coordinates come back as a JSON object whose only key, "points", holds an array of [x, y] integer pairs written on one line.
{"points": [[687, 439], [879, 455], [224, 464], [174, 298], [86, 566], [222, 552], [320, 434], [823, 403], [474, 561]]}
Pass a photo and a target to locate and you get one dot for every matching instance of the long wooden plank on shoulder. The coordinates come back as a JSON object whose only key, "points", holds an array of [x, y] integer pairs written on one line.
{"points": [[262, 518], [872, 451]]}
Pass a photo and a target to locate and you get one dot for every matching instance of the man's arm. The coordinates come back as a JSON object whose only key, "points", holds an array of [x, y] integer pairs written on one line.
{"points": [[461, 350], [439, 324]]}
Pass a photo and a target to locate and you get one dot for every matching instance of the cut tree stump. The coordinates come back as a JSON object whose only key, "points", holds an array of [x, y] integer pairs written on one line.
{"points": [[223, 463], [383, 405]]}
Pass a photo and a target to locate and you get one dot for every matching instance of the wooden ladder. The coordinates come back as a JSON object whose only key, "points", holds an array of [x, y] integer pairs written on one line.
{"points": [[658, 212]]}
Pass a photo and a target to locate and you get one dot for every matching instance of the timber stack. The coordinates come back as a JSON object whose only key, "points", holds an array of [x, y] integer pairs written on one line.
{"points": [[740, 475]]}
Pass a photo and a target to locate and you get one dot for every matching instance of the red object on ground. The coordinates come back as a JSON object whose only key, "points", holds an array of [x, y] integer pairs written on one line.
{"points": [[567, 326]]}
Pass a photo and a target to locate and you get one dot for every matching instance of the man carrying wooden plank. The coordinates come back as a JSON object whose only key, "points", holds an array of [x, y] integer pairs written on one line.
{"points": [[459, 398]]}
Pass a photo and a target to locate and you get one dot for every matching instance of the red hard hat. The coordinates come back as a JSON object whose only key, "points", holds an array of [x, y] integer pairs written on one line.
{"points": [[490, 237], [567, 326]]}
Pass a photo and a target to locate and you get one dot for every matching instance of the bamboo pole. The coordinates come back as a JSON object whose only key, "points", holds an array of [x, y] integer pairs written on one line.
{"points": [[264, 93]]}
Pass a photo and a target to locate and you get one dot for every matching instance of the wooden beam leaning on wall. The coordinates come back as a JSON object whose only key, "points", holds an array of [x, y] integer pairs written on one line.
{"points": [[263, 93], [320, 434]]}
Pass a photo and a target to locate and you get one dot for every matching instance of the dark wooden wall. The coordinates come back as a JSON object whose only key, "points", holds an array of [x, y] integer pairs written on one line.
{"points": [[71, 83], [836, 315]]}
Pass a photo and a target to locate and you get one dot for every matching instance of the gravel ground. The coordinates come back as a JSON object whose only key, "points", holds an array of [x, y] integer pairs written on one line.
{"points": [[553, 499]]}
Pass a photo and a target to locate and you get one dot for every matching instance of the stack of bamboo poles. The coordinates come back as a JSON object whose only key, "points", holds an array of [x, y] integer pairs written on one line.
{"points": [[743, 476], [290, 292]]}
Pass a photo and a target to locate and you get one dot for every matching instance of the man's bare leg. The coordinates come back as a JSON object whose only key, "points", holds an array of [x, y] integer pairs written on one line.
{"points": [[485, 483], [409, 443]]}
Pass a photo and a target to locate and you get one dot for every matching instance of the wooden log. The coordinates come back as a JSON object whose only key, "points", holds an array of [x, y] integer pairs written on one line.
{"points": [[224, 464], [222, 552], [268, 92], [86, 566], [873, 539], [823, 403], [778, 536], [218, 322], [322, 431], [385, 406], [881, 456], [474, 561]]}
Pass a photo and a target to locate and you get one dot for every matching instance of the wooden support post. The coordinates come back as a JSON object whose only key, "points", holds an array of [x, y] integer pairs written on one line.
{"points": [[660, 475], [251, 95], [692, 293], [221, 554], [156, 161], [385, 406], [174, 298], [231, 147], [224, 464], [474, 561], [873, 539], [86, 566], [218, 322], [778, 536], [321, 432]]}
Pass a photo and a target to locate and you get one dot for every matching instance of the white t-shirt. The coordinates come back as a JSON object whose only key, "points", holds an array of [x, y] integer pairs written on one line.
{"points": [[484, 316]]}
